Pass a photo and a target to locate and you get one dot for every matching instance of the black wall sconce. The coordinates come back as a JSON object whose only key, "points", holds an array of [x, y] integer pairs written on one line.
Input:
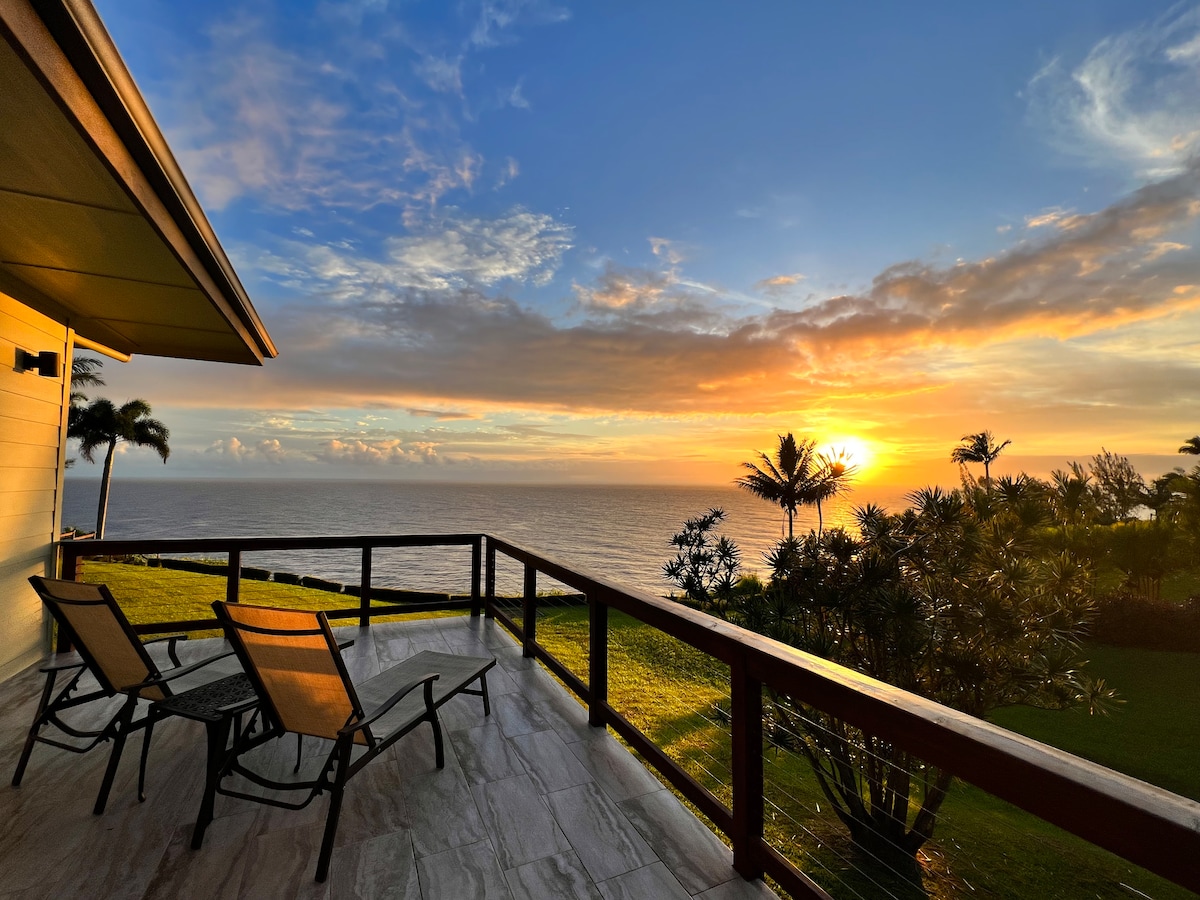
{"points": [[46, 363]]}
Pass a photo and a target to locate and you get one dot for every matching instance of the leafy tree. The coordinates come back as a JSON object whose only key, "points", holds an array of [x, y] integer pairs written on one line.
{"points": [[970, 613], [84, 373], [797, 476], [1071, 495], [1191, 446], [101, 423], [1119, 489], [706, 568], [979, 448]]}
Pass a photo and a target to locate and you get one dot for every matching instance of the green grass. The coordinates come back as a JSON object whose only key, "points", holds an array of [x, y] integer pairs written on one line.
{"points": [[1154, 735], [150, 594], [983, 847]]}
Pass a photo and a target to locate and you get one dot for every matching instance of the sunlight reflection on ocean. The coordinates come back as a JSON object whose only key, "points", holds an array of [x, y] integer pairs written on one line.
{"points": [[621, 532]]}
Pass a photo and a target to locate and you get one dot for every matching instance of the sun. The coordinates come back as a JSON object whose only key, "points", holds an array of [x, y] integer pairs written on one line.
{"points": [[853, 451]]}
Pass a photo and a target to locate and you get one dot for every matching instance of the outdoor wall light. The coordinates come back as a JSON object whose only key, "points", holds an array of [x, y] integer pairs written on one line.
{"points": [[46, 363]]}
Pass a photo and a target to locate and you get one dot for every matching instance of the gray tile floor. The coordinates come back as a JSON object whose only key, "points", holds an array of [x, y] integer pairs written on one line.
{"points": [[532, 803]]}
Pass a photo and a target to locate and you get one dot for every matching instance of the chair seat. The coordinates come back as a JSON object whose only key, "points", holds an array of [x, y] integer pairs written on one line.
{"points": [[454, 674]]}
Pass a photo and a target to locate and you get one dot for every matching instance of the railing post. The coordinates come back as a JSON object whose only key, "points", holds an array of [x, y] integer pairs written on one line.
{"points": [[476, 564], [233, 577], [364, 595], [597, 662], [746, 717], [529, 611], [71, 570], [490, 581]]}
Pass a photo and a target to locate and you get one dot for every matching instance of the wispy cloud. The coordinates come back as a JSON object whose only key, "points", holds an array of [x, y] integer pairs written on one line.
{"points": [[1133, 99], [306, 126], [455, 252]]}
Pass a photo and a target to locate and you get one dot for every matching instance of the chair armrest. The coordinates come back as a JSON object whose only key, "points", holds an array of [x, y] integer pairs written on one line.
{"points": [[172, 640], [63, 666], [386, 706], [163, 677]]}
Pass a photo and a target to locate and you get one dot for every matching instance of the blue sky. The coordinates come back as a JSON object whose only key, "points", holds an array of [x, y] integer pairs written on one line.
{"points": [[634, 242]]}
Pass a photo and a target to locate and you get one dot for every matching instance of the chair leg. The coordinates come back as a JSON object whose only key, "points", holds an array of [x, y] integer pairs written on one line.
{"points": [[487, 706], [335, 808], [299, 751], [438, 751], [144, 758], [31, 738], [120, 733]]}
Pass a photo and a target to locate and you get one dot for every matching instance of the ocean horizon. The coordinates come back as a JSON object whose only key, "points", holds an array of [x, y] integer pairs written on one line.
{"points": [[622, 532]]}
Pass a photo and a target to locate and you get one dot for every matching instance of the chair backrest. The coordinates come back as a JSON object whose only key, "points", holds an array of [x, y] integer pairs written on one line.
{"points": [[100, 632], [292, 658]]}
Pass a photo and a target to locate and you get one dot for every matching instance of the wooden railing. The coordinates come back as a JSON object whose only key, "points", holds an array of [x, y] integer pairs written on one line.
{"points": [[73, 552], [1144, 824]]}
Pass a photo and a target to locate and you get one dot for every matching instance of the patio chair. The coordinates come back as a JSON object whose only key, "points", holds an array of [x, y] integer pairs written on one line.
{"points": [[292, 659], [109, 649]]}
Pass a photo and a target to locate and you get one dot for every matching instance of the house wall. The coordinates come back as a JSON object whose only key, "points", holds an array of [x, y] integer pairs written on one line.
{"points": [[32, 444]]}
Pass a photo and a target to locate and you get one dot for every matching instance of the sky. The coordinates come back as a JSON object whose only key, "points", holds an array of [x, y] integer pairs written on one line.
{"points": [[633, 243]]}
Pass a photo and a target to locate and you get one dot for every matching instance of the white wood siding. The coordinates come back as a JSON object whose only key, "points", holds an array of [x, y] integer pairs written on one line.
{"points": [[32, 426]]}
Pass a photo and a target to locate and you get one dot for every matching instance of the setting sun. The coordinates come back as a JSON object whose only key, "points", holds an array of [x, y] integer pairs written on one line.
{"points": [[852, 451]]}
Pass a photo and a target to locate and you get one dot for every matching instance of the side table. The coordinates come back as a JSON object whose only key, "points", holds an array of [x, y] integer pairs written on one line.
{"points": [[219, 705]]}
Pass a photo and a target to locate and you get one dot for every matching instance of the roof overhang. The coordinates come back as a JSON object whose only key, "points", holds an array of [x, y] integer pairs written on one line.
{"points": [[98, 226]]}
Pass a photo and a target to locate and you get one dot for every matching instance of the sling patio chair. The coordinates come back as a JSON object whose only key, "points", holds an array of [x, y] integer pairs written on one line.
{"points": [[293, 661], [111, 652]]}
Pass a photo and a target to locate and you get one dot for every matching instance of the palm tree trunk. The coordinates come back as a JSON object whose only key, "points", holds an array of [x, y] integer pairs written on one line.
{"points": [[105, 479], [820, 518]]}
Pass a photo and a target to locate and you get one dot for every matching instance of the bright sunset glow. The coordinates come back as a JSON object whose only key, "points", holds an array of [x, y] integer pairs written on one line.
{"points": [[852, 452], [488, 253]]}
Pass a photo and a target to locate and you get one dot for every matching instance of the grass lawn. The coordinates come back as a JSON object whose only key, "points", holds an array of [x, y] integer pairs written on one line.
{"points": [[982, 848], [149, 594]]}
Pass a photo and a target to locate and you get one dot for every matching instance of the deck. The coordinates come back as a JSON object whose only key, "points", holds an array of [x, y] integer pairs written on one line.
{"points": [[532, 803]]}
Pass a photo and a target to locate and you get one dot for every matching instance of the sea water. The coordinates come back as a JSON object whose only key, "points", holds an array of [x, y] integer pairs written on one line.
{"points": [[621, 532]]}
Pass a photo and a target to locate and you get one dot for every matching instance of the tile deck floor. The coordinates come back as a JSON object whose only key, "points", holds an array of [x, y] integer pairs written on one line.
{"points": [[532, 803]]}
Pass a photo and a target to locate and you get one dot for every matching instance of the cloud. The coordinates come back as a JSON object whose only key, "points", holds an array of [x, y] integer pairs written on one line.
{"points": [[268, 450], [441, 74], [1133, 98], [647, 342], [375, 452], [442, 415], [497, 18], [456, 252], [778, 285], [351, 113]]}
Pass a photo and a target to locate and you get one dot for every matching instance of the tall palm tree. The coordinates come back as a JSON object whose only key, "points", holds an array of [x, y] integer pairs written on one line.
{"points": [[797, 476], [84, 373], [100, 423], [1191, 445], [784, 479], [979, 448]]}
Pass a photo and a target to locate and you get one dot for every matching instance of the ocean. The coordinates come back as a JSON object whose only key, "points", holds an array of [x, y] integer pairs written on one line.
{"points": [[621, 532]]}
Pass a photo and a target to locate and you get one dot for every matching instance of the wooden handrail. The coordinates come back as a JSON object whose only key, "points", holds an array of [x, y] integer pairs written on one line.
{"points": [[1146, 825], [1150, 827]]}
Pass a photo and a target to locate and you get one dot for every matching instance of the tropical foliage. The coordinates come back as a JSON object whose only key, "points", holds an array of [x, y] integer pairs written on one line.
{"points": [[101, 424], [797, 476], [980, 447], [955, 599]]}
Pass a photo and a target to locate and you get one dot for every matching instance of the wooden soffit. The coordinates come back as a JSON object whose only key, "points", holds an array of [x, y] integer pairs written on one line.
{"points": [[98, 227]]}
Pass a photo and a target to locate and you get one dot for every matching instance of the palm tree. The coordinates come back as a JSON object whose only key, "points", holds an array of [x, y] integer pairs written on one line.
{"points": [[83, 374], [979, 448], [798, 476], [101, 423], [1192, 446], [833, 471]]}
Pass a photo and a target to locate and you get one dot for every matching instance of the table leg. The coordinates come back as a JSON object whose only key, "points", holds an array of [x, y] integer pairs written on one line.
{"points": [[218, 737]]}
